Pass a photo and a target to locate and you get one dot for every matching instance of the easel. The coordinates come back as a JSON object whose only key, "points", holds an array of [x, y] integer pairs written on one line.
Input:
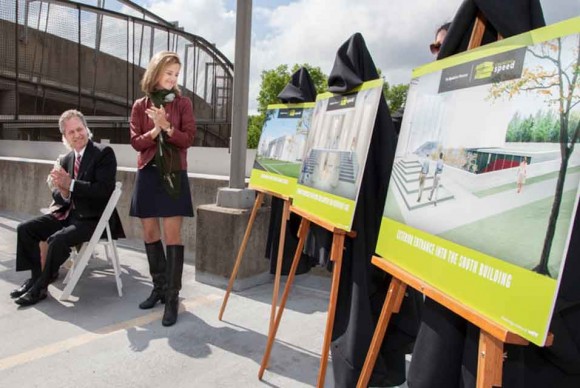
{"points": [[285, 215], [491, 340], [336, 253], [492, 336]]}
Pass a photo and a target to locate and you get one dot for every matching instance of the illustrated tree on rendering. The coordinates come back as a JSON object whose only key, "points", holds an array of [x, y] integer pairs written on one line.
{"points": [[556, 79]]}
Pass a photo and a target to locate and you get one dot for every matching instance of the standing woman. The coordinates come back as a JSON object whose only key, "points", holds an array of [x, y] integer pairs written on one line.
{"points": [[162, 128]]}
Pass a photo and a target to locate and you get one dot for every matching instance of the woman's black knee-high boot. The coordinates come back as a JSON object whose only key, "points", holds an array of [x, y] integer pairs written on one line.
{"points": [[156, 258], [174, 272]]}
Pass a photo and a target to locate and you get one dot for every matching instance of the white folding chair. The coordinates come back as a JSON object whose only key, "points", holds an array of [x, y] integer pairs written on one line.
{"points": [[81, 259]]}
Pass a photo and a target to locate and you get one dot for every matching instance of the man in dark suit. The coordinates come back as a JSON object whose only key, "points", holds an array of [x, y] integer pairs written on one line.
{"points": [[83, 184]]}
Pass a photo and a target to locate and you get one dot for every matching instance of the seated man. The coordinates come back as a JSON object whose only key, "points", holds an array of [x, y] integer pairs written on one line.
{"points": [[83, 184]]}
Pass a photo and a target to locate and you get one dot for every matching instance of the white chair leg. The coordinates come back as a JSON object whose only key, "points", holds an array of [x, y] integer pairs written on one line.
{"points": [[80, 265], [117, 268], [74, 258], [112, 245], [108, 253]]}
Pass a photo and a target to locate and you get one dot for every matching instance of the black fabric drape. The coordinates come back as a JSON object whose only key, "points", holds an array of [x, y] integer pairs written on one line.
{"points": [[299, 89], [508, 18], [558, 365], [445, 353], [362, 286]]}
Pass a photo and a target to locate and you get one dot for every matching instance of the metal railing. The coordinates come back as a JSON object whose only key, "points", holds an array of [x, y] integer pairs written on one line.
{"points": [[91, 55]]}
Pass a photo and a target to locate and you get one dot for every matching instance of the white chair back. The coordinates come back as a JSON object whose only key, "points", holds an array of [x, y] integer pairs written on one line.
{"points": [[81, 259]]}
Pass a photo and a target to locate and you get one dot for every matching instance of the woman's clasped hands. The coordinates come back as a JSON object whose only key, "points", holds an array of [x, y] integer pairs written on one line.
{"points": [[159, 117]]}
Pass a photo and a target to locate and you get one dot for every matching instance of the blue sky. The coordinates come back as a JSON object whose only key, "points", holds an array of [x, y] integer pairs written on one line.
{"points": [[396, 32]]}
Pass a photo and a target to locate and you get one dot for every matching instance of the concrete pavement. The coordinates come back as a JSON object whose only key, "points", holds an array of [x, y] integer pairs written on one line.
{"points": [[102, 340]]}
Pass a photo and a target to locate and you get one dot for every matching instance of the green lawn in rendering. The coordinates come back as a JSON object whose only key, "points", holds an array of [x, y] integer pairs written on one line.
{"points": [[517, 236], [512, 186], [290, 169]]}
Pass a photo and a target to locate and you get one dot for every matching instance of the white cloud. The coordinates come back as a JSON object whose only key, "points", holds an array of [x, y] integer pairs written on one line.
{"points": [[208, 19], [310, 31]]}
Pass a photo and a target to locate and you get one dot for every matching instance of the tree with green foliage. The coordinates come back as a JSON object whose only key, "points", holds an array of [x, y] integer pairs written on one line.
{"points": [[543, 127], [273, 81], [395, 95]]}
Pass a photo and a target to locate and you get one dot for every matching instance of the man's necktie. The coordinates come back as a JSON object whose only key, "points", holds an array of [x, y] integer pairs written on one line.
{"points": [[62, 216], [77, 166]]}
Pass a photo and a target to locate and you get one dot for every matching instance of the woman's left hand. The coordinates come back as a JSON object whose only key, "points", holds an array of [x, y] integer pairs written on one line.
{"points": [[158, 116], [169, 130]]}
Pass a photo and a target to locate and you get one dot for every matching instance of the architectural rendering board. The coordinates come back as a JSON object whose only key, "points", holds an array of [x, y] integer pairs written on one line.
{"points": [[281, 148], [335, 153], [486, 176]]}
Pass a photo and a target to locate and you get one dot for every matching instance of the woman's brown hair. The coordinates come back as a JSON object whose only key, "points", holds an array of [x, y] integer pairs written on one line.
{"points": [[154, 69]]}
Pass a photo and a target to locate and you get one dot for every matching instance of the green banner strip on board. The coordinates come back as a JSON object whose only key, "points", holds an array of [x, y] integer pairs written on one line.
{"points": [[364, 86], [276, 183], [338, 211], [567, 27], [290, 106], [510, 295]]}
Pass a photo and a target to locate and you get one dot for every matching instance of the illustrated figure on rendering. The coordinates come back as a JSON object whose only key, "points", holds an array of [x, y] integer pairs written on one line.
{"points": [[436, 179], [423, 176], [522, 174]]}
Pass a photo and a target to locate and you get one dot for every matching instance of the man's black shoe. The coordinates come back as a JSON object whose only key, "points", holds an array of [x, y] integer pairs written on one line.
{"points": [[23, 289], [33, 296]]}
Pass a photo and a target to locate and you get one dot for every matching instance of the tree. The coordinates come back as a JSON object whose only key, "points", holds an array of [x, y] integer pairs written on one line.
{"points": [[395, 95], [559, 84], [543, 124], [255, 123], [273, 81]]}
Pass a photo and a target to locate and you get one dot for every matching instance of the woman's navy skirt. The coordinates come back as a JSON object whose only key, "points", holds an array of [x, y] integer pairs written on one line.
{"points": [[150, 199]]}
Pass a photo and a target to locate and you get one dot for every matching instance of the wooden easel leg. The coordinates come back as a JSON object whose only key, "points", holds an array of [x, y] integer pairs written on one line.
{"points": [[285, 216], [490, 361], [336, 254], [392, 305], [257, 205], [302, 232], [477, 32]]}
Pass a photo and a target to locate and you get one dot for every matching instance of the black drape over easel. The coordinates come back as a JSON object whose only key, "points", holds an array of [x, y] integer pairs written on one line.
{"points": [[508, 18], [300, 89], [445, 353], [362, 286]]}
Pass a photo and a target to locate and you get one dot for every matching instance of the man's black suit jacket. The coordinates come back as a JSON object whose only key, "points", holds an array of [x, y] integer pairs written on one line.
{"points": [[93, 185]]}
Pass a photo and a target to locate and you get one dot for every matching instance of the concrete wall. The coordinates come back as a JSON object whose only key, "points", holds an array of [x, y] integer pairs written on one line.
{"points": [[220, 234], [200, 160], [23, 192], [54, 64]]}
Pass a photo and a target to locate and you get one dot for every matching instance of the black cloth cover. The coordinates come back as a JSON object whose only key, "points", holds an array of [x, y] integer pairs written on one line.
{"points": [[363, 286], [508, 18], [558, 365], [299, 89], [445, 353]]}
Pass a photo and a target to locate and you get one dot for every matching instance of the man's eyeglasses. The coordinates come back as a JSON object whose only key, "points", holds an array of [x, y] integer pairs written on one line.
{"points": [[435, 47]]}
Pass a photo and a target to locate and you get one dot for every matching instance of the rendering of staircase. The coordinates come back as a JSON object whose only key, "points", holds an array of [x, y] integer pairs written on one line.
{"points": [[347, 167], [406, 177]]}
